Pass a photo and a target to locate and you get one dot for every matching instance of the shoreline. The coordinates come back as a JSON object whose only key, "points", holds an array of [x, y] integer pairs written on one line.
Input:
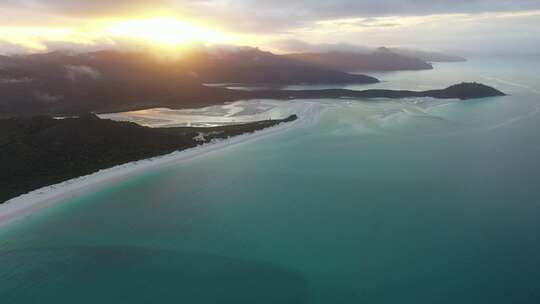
{"points": [[27, 204]]}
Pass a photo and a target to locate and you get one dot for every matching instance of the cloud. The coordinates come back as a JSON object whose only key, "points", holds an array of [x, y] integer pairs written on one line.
{"points": [[300, 46], [280, 15], [256, 16], [268, 15], [77, 72], [78, 8], [507, 32], [14, 80], [48, 98], [324, 24], [8, 48], [98, 44]]}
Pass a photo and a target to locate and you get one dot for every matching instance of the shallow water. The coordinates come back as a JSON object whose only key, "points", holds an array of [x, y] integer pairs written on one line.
{"points": [[414, 201], [242, 111]]}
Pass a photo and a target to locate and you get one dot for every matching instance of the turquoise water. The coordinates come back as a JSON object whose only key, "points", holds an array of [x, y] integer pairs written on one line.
{"points": [[415, 201]]}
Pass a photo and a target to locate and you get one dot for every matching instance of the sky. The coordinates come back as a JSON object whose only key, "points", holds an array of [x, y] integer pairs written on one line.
{"points": [[459, 26]]}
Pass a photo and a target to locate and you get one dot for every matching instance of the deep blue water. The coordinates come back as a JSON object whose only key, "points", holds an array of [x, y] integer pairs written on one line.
{"points": [[374, 201]]}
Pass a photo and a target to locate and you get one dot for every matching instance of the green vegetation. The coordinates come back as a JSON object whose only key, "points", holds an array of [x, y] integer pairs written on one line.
{"points": [[40, 151], [59, 84], [464, 90]]}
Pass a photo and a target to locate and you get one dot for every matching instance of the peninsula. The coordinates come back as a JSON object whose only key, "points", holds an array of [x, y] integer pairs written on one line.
{"points": [[463, 91], [41, 151]]}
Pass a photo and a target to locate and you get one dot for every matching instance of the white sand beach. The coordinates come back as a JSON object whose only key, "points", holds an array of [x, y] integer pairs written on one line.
{"points": [[27, 204]]}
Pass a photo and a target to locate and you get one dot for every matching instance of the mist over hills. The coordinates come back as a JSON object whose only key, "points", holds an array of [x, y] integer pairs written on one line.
{"points": [[108, 81], [70, 83], [382, 59], [354, 57], [428, 56], [251, 65]]}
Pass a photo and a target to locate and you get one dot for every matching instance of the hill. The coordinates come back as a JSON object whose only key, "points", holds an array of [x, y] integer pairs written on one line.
{"points": [[40, 151], [382, 59], [463, 91], [62, 83], [66, 84], [253, 66]]}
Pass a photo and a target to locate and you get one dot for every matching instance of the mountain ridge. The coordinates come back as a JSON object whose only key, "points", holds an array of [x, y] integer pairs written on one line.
{"points": [[382, 59]]}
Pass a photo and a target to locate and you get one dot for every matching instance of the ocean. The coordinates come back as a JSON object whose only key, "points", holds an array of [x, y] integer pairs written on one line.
{"points": [[366, 201]]}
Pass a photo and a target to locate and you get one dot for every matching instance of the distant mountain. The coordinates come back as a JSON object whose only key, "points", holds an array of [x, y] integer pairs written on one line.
{"points": [[427, 55], [382, 59], [253, 66], [65, 84], [3, 59], [108, 81], [62, 83]]}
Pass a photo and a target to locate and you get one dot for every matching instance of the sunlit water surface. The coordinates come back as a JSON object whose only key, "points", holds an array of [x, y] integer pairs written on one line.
{"points": [[373, 201]]}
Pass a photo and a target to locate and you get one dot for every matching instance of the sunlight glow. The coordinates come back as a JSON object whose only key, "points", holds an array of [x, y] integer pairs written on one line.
{"points": [[31, 37], [166, 31]]}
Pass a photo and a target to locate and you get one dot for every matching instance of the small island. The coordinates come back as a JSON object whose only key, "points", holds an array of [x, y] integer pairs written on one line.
{"points": [[39, 151], [462, 91]]}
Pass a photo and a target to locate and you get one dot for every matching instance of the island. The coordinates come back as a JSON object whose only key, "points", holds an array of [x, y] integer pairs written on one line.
{"points": [[60, 84], [462, 91], [41, 151]]}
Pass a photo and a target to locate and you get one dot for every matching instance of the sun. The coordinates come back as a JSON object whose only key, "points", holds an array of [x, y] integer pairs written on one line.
{"points": [[166, 31]]}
